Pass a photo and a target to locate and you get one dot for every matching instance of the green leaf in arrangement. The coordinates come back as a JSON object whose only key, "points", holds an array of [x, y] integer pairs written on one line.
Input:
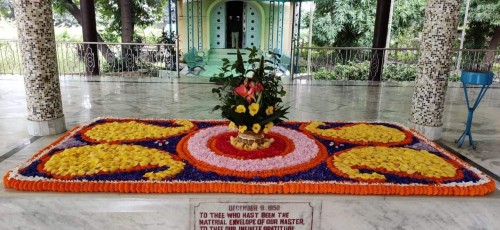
{"points": [[216, 107]]}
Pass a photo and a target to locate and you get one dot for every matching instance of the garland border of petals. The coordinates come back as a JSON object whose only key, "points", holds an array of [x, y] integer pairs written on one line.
{"points": [[14, 180]]}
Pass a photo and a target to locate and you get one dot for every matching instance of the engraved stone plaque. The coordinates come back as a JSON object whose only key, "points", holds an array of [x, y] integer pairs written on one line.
{"points": [[253, 215]]}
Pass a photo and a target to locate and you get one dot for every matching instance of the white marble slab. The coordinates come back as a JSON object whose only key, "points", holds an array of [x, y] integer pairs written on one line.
{"points": [[113, 211]]}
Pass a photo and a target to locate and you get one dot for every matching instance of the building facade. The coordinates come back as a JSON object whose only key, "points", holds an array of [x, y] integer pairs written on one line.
{"points": [[209, 24]]}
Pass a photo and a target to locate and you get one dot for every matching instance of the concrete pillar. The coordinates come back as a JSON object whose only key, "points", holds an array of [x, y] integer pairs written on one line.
{"points": [[35, 28], [434, 64]]}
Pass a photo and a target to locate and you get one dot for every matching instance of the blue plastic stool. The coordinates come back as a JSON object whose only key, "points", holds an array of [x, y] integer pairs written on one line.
{"points": [[473, 78]]}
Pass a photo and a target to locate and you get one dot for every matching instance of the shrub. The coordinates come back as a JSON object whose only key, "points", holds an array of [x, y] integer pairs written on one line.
{"points": [[454, 77], [361, 71], [400, 72], [324, 74], [350, 71]]}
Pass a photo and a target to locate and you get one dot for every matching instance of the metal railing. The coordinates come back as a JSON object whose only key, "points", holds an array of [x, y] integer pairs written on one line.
{"points": [[400, 64], [350, 63], [10, 57], [113, 59], [330, 63]]}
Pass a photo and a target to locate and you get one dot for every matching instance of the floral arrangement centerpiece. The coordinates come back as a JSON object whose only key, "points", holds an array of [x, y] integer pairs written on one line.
{"points": [[251, 99]]}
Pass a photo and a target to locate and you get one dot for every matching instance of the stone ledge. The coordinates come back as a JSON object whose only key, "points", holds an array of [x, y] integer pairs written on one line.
{"points": [[433, 133], [46, 128]]}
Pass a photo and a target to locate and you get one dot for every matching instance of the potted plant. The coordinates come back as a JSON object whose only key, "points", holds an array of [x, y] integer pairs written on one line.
{"points": [[477, 73], [250, 98]]}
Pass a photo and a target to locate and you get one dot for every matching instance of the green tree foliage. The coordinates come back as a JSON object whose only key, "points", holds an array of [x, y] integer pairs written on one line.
{"points": [[343, 23], [351, 22], [61, 6], [407, 22], [484, 22], [6, 10], [145, 13]]}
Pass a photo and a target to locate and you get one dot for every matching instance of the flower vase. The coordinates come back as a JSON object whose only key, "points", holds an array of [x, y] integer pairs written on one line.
{"points": [[250, 137]]}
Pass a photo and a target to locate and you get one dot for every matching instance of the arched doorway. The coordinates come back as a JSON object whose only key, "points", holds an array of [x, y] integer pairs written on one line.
{"points": [[249, 24], [218, 26], [234, 23]]}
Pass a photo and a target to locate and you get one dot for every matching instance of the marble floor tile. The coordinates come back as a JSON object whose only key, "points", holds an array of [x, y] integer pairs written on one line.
{"points": [[190, 97]]}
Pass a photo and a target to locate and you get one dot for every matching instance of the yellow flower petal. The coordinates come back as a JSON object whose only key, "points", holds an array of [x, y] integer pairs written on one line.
{"points": [[269, 110], [269, 125], [266, 130], [240, 109], [253, 109], [232, 126], [256, 128]]}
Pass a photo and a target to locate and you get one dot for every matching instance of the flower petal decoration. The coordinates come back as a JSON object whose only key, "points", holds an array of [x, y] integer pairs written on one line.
{"points": [[240, 109], [256, 128], [204, 160], [241, 90], [380, 160], [359, 133], [131, 130], [253, 109], [269, 110], [233, 126], [259, 87], [306, 153], [101, 159], [268, 127], [242, 128]]}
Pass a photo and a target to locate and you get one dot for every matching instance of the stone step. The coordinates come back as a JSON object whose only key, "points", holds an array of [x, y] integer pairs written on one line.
{"points": [[214, 63], [221, 56], [217, 59], [216, 55], [228, 52]]}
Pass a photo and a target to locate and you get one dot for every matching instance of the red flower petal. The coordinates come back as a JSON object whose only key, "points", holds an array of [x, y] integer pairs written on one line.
{"points": [[241, 90]]}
